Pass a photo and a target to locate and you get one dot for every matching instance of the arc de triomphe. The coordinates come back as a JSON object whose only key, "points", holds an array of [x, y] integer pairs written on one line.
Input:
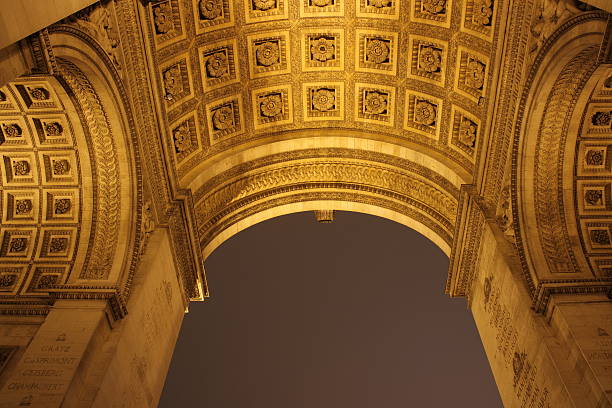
{"points": [[138, 135]]}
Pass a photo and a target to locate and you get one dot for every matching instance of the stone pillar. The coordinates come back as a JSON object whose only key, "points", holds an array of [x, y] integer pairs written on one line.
{"points": [[583, 327], [562, 359], [44, 374], [80, 357]]}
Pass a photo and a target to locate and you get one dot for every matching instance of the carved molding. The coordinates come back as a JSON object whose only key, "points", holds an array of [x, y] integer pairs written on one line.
{"points": [[108, 194]]}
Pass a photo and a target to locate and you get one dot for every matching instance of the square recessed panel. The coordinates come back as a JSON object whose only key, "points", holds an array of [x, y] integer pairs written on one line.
{"points": [[465, 132], [375, 104], [428, 59], [323, 50], [185, 138], [7, 102], [321, 8], [56, 243], [269, 54], [20, 206], [35, 95], [51, 130], [594, 197], [213, 15], [225, 118], [479, 17], [17, 243], [423, 114], [257, 11], [323, 101], [11, 276], [14, 133], [59, 168], [19, 169], [176, 80], [594, 158], [598, 121], [472, 74], [218, 64], [61, 206], [388, 9], [437, 12], [43, 277], [272, 106], [597, 235], [376, 52], [167, 20]]}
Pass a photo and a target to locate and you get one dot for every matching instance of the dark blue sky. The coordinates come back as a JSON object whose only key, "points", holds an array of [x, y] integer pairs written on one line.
{"points": [[349, 314]]}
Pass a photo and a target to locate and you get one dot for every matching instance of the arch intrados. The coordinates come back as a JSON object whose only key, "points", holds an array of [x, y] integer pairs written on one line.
{"points": [[563, 46], [74, 47], [318, 205], [333, 139]]}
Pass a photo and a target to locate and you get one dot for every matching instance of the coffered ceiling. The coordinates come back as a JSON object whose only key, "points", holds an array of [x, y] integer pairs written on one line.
{"points": [[415, 72]]}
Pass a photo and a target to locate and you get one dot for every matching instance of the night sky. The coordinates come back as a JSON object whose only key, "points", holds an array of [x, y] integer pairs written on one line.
{"points": [[308, 315]]}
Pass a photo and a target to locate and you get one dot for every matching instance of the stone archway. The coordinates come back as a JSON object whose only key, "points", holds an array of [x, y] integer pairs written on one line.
{"points": [[425, 112]]}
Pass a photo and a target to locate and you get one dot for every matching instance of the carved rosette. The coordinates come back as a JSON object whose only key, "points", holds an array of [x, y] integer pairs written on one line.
{"points": [[322, 49]]}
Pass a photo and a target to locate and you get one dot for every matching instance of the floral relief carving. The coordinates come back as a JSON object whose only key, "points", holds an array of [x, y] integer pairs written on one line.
{"points": [[425, 113], [482, 12], [267, 53], [58, 245], [323, 100], [321, 3], [182, 138], [217, 65], [467, 132], [46, 281], [18, 245], [595, 157], [223, 118], [433, 6], [23, 207], [264, 5], [39, 93], [21, 167], [162, 17], [593, 197], [600, 237], [62, 206], [379, 4], [7, 280], [53, 129], [375, 103], [475, 74], [173, 84], [430, 59], [601, 118], [377, 51], [61, 167], [322, 49], [12, 130], [210, 9], [271, 105]]}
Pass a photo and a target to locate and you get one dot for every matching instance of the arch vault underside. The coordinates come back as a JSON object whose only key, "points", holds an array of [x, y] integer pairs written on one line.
{"points": [[485, 125]]}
